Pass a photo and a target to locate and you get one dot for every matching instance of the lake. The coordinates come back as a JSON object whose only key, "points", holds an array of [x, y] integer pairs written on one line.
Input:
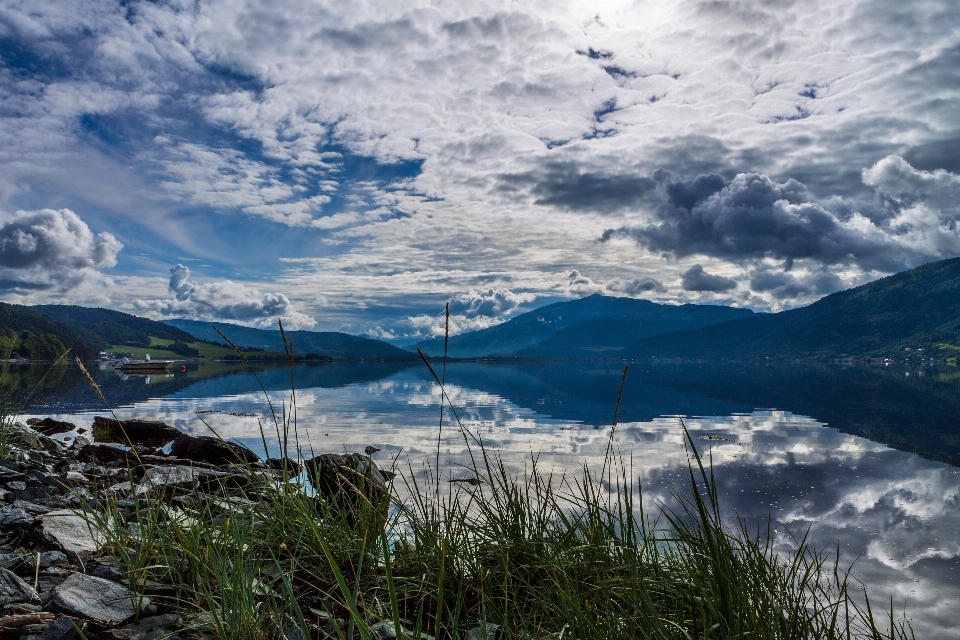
{"points": [[864, 457]]}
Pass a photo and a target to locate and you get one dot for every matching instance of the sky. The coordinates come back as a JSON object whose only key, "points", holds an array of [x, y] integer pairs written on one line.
{"points": [[356, 165]]}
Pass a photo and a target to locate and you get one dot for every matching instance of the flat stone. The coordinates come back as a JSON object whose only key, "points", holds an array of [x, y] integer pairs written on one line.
{"points": [[54, 559], [102, 601], [70, 532], [155, 622], [11, 560], [30, 507], [387, 631], [12, 516], [179, 476], [17, 485], [13, 590], [64, 628], [485, 632]]}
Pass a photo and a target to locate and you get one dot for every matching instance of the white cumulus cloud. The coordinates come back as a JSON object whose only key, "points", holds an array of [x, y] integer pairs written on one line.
{"points": [[225, 300], [53, 251]]}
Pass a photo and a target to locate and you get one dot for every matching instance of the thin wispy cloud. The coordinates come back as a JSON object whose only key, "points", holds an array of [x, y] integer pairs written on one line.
{"points": [[387, 158]]}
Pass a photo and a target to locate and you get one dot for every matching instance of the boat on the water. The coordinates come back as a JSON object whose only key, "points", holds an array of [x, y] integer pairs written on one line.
{"points": [[127, 365]]}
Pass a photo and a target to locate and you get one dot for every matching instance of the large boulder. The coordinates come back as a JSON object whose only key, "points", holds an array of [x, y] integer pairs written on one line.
{"points": [[146, 432], [212, 450], [347, 480], [102, 601]]}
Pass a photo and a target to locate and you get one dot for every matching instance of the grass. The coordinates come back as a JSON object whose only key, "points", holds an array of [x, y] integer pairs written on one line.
{"points": [[208, 351], [539, 556]]}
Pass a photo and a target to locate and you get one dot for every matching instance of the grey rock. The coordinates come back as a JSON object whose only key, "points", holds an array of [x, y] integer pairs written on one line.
{"points": [[122, 634], [30, 507], [12, 516], [54, 559], [49, 426], [291, 630], [102, 601], [24, 436], [387, 631], [146, 625], [485, 632], [279, 464], [12, 560], [70, 532], [107, 570], [346, 480], [64, 628], [17, 485], [179, 476], [13, 590]]}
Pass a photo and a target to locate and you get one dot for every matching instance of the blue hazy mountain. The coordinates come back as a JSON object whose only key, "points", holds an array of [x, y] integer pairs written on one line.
{"points": [[893, 316], [340, 346], [595, 326]]}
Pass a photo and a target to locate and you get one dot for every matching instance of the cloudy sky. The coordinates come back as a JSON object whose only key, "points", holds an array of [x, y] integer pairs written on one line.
{"points": [[355, 165]]}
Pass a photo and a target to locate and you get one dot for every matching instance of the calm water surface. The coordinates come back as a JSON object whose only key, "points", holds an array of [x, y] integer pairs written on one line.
{"points": [[865, 457]]}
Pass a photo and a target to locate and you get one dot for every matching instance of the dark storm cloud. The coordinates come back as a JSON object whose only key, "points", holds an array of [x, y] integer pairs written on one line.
{"points": [[696, 279], [752, 217], [567, 186], [636, 286], [783, 285]]}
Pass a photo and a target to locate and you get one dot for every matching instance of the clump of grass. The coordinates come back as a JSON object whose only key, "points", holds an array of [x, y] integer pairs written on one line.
{"points": [[538, 555]]}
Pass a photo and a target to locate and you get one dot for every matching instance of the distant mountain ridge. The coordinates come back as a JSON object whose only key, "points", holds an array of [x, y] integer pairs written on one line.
{"points": [[341, 346], [590, 327], [919, 308]]}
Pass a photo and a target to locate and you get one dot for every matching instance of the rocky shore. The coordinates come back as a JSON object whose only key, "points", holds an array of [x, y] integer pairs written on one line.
{"points": [[58, 579]]}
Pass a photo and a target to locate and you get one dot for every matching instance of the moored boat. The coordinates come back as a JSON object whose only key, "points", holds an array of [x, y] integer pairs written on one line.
{"points": [[127, 365]]}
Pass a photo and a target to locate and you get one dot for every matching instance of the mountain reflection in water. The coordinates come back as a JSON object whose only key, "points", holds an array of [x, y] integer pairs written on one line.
{"points": [[881, 478]]}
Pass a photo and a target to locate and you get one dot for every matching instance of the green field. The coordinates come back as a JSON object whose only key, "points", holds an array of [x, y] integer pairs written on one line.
{"points": [[208, 351]]}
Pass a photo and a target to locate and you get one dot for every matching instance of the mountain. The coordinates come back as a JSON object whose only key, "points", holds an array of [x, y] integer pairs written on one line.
{"points": [[607, 336], [589, 327], [919, 308], [17, 318], [104, 328], [340, 346]]}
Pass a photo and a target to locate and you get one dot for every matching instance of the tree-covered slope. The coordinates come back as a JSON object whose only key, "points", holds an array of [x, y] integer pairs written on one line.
{"points": [[341, 346], [579, 328], [104, 328], [919, 308], [19, 319], [605, 337]]}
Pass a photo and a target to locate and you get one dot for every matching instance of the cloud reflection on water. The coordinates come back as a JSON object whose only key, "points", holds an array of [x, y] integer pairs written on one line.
{"points": [[893, 512]]}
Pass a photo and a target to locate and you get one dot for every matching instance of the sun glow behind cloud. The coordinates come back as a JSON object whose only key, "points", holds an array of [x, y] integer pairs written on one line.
{"points": [[372, 161]]}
